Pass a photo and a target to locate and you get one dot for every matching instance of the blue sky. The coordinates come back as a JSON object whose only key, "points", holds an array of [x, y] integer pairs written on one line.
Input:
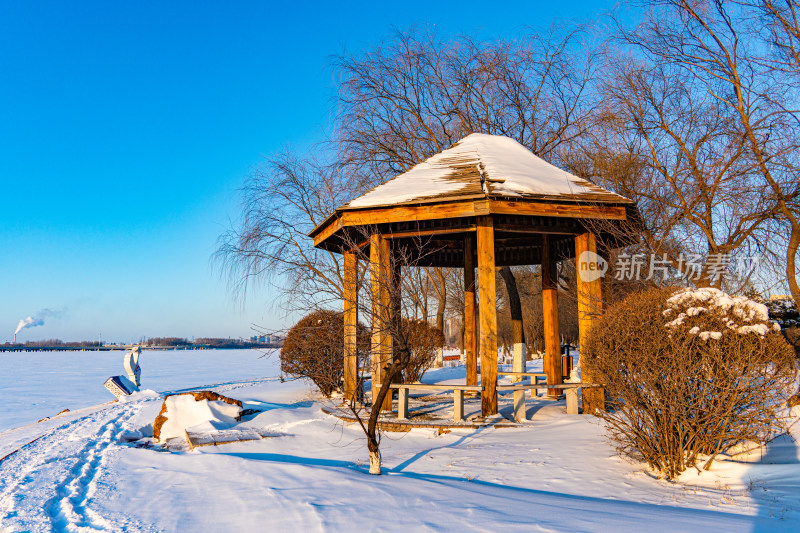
{"points": [[126, 129]]}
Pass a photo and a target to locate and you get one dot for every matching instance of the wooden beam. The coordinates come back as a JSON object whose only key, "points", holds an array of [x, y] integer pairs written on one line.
{"points": [[380, 280], [382, 215], [533, 208], [429, 232], [488, 315], [479, 208], [469, 311], [326, 230], [350, 325], [590, 307], [536, 230], [407, 213], [552, 335]]}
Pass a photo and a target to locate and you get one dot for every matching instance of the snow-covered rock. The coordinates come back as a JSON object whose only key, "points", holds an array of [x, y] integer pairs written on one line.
{"points": [[204, 410]]}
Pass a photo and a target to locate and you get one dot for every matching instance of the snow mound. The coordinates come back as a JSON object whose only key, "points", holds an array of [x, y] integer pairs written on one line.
{"points": [[144, 394], [199, 411], [737, 313]]}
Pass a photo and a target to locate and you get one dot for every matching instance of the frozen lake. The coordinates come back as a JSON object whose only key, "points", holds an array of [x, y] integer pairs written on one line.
{"points": [[34, 385]]}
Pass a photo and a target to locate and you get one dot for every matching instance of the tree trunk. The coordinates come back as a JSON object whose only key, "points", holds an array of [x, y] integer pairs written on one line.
{"points": [[442, 292], [515, 304], [424, 299], [373, 440], [791, 262], [375, 462]]}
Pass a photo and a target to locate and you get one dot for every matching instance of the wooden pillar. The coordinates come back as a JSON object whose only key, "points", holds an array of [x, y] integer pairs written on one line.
{"points": [[469, 312], [488, 315], [590, 307], [402, 403], [350, 326], [477, 329], [552, 335], [380, 281], [397, 302]]}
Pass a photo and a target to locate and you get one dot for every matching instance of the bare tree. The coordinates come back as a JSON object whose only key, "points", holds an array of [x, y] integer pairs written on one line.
{"points": [[283, 200], [396, 340], [782, 31], [690, 176], [712, 49], [415, 95], [399, 103], [441, 295]]}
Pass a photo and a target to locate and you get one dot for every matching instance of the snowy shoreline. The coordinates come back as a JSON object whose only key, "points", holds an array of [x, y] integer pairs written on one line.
{"points": [[34, 385], [309, 472]]}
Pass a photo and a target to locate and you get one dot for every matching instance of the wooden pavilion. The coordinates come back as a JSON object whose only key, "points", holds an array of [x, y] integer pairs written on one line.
{"points": [[486, 202]]}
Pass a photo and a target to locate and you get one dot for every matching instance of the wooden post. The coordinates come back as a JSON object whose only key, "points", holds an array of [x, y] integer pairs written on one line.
{"points": [[350, 326], [469, 312], [519, 365], [520, 411], [552, 335], [590, 307], [488, 315], [397, 301], [572, 400], [535, 381], [402, 403], [458, 405], [380, 280]]}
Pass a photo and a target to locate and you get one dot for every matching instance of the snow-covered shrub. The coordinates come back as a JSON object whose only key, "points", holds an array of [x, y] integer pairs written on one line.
{"points": [[709, 312], [423, 339], [689, 374], [314, 349]]}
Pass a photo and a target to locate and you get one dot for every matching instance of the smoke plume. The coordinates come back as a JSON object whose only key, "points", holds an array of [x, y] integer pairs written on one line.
{"points": [[36, 320]]}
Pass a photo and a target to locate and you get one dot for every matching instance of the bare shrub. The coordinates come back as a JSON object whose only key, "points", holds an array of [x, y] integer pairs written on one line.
{"points": [[314, 349], [424, 340], [689, 374]]}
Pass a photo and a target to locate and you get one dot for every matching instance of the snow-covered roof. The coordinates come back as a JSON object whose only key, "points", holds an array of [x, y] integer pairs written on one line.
{"points": [[481, 165]]}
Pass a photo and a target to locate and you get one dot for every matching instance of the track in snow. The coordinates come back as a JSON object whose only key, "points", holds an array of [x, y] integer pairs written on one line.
{"points": [[61, 468], [70, 506]]}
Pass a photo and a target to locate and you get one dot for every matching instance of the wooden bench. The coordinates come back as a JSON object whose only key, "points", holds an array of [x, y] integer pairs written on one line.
{"points": [[458, 396], [570, 391], [536, 378], [524, 374]]}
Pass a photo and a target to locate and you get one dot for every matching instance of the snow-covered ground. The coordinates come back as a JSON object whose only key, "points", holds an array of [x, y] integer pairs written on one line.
{"points": [[557, 474]]}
